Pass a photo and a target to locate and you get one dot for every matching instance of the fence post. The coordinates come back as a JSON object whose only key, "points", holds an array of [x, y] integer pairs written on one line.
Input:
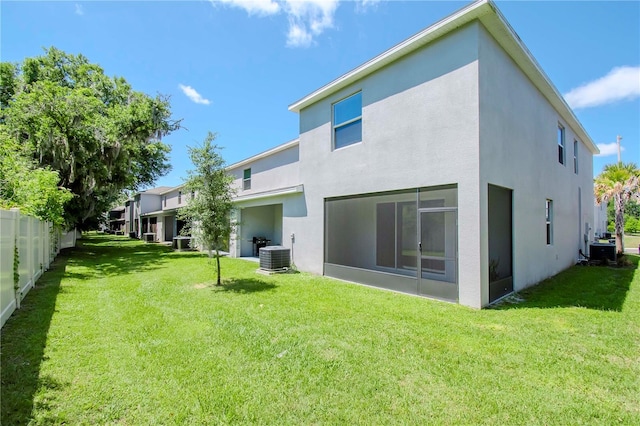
{"points": [[16, 250]]}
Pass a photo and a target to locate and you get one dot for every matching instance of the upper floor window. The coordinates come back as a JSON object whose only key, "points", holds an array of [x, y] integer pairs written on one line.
{"points": [[561, 154], [347, 121], [246, 179], [164, 200], [549, 221], [575, 156], [179, 197], [193, 194]]}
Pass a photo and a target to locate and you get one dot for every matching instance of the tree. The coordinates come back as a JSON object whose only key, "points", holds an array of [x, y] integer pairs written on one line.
{"points": [[208, 212], [95, 131], [618, 182], [33, 190]]}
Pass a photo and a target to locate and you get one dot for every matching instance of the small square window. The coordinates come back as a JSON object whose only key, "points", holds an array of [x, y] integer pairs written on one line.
{"points": [[246, 179], [561, 153], [347, 121]]}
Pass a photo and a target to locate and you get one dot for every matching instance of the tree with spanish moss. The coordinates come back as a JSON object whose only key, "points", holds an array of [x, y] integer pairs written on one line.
{"points": [[95, 131]]}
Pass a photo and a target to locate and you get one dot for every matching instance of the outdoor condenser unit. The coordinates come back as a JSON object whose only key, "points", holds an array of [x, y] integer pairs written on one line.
{"points": [[274, 258]]}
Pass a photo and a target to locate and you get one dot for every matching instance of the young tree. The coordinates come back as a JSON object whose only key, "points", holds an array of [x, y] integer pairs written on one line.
{"points": [[98, 134], [618, 182], [208, 212]]}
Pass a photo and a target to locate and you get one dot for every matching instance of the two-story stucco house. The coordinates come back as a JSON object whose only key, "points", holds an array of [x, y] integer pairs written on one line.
{"points": [[162, 221], [154, 212], [448, 166]]}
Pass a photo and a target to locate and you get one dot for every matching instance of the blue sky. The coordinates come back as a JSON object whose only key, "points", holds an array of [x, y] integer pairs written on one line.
{"points": [[234, 66]]}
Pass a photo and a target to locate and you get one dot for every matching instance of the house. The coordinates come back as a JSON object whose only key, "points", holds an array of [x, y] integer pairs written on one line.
{"points": [[154, 212], [448, 166], [117, 220], [162, 221]]}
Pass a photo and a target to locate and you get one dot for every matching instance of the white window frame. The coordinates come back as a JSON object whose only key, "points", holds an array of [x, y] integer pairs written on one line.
{"points": [[562, 146], [548, 209], [246, 181], [335, 126], [576, 144]]}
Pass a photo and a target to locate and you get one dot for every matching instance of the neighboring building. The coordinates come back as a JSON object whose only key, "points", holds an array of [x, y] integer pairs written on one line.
{"points": [[449, 166], [600, 220], [117, 219], [154, 211], [162, 219]]}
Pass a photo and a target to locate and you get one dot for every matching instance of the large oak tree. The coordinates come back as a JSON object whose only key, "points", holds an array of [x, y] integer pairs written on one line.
{"points": [[99, 134]]}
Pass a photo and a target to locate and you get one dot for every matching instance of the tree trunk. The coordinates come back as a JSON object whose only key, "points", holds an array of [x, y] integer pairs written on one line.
{"points": [[619, 227], [218, 266]]}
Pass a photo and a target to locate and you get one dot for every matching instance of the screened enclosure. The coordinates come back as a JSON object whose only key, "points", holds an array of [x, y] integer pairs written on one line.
{"points": [[402, 240]]}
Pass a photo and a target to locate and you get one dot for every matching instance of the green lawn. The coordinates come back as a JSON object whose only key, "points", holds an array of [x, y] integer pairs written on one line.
{"points": [[631, 241], [120, 332]]}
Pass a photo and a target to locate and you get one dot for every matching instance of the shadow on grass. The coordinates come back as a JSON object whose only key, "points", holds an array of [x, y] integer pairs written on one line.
{"points": [[247, 285], [593, 287], [23, 342], [108, 255]]}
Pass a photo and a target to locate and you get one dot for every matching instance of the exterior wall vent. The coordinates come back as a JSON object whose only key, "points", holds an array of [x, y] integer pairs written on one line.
{"points": [[275, 258]]}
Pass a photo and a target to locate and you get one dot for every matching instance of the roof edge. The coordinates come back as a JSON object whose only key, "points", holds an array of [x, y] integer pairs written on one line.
{"points": [[264, 154], [458, 18]]}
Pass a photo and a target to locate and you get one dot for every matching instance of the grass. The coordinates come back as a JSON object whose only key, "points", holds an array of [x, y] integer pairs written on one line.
{"points": [[120, 332], [631, 241]]}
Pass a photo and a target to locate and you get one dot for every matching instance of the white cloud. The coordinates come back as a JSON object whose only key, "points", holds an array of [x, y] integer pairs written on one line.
{"points": [[364, 5], [608, 149], [253, 7], [307, 18], [193, 94], [298, 36], [622, 83], [79, 9]]}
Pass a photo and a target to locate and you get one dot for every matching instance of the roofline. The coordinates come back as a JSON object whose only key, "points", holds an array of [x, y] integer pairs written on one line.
{"points": [[171, 189], [490, 16], [264, 154], [440, 28]]}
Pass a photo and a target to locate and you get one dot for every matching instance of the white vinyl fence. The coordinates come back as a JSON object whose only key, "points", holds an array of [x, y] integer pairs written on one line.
{"points": [[37, 245]]}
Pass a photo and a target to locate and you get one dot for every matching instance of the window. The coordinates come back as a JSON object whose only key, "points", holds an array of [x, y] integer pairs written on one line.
{"points": [[549, 221], [193, 194], [179, 197], [561, 156], [164, 201], [246, 179], [575, 156], [347, 121]]}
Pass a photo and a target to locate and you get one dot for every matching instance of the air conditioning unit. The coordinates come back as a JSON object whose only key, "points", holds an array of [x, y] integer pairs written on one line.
{"points": [[275, 258], [149, 237]]}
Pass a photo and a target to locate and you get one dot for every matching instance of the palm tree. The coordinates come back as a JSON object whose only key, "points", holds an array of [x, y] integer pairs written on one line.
{"points": [[619, 182]]}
